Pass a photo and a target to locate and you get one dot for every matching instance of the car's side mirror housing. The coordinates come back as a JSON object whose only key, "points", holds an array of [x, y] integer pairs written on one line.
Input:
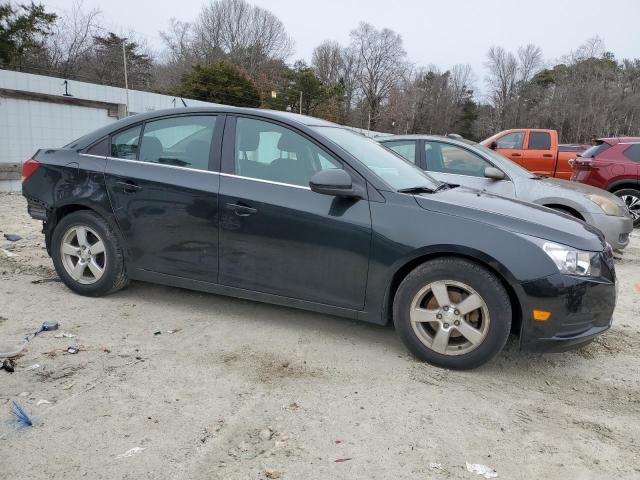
{"points": [[494, 174], [334, 181], [493, 145]]}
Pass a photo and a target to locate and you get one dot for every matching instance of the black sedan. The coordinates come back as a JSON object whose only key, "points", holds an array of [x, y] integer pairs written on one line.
{"points": [[297, 211]]}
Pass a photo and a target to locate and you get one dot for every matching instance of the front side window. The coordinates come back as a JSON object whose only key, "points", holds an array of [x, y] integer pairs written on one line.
{"points": [[539, 141], [267, 151], [125, 144], [633, 152], [178, 141], [404, 148], [446, 158], [512, 140]]}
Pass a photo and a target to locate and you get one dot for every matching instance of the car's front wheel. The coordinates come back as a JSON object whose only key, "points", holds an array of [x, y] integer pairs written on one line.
{"points": [[87, 254], [452, 313], [631, 197]]}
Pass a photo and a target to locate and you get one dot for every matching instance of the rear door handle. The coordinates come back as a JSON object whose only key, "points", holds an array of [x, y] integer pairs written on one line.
{"points": [[129, 186], [241, 210], [547, 155], [516, 155]]}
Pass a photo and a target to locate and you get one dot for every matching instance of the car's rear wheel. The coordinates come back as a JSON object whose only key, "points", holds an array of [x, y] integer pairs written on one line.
{"points": [[452, 313], [631, 197], [87, 254]]}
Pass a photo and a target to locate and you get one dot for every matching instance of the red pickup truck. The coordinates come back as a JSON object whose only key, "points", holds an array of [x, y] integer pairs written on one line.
{"points": [[535, 149]]}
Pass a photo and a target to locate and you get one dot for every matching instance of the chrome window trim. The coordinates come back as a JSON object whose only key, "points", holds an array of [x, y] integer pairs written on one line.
{"points": [[157, 164], [231, 175]]}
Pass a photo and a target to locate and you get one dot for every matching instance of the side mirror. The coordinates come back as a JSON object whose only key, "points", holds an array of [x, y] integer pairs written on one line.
{"points": [[493, 145], [334, 181], [494, 173]]}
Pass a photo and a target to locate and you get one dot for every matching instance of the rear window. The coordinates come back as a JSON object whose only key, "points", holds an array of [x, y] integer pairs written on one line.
{"points": [[539, 141], [595, 150], [633, 152]]}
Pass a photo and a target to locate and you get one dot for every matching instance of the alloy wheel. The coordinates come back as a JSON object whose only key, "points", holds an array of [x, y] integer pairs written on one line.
{"points": [[633, 204], [449, 317], [83, 254]]}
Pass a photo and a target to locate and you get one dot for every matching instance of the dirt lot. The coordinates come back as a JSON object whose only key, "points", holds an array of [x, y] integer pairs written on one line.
{"points": [[243, 390]]}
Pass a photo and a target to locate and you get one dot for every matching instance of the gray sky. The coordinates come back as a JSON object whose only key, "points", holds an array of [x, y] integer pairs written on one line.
{"points": [[442, 33]]}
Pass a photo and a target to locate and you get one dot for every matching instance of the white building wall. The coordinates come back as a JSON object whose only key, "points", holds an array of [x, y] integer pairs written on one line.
{"points": [[26, 125]]}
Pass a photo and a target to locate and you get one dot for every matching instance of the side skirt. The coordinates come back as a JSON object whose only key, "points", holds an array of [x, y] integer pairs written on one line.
{"points": [[181, 282]]}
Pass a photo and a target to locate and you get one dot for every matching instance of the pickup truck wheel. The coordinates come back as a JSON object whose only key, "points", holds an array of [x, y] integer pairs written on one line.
{"points": [[452, 313], [87, 255], [631, 197]]}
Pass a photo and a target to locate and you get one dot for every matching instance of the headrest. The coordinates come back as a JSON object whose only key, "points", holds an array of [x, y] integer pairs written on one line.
{"points": [[150, 149], [289, 142]]}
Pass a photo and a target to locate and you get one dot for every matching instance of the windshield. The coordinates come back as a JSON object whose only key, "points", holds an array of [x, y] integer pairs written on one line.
{"points": [[512, 169], [389, 166]]}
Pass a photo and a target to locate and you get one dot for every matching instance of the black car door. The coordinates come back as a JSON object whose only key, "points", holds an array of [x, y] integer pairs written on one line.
{"points": [[276, 235], [163, 186]]}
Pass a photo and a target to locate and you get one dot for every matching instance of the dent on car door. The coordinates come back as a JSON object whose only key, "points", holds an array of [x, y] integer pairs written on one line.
{"points": [[459, 166], [164, 194], [276, 235]]}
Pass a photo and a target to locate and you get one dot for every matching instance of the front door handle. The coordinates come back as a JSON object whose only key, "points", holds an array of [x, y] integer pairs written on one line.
{"points": [[129, 186], [516, 155], [241, 210], [547, 155]]}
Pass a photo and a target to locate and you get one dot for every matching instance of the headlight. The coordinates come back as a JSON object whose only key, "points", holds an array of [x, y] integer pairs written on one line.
{"points": [[609, 206], [572, 261]]}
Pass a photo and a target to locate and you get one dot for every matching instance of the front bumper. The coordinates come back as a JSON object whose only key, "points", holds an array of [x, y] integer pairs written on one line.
{"points": [[616, 229], [581, 309]]}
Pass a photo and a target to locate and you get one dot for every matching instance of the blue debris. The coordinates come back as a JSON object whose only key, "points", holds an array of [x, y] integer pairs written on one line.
{"points": [[22, 419]]}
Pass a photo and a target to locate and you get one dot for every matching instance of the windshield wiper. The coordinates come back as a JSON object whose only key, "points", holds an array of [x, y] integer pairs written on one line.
{"points": [[418, 189], [441, 187]]}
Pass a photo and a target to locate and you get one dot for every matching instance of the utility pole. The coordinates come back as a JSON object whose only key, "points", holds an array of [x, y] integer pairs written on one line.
{"points": [[300, 102], [126, 79]]}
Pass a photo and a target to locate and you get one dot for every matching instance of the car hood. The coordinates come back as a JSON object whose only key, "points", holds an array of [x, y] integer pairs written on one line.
{"points": [[515, 216]]}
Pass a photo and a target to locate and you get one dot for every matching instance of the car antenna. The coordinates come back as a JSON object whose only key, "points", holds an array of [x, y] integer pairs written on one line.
{"points": [[183, 102]]}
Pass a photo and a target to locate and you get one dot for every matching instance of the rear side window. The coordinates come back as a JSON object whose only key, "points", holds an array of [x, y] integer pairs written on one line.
{"points": [[183, 141], [595, 150], [125, 144], [633, 152], [511, 140], [404, 148], [539, 141]]}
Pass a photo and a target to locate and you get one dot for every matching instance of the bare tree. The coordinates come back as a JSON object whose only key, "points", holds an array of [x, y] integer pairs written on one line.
{"points": [[328, 62], [381, 60], [501, 80], [247, 34], [530, 61], [71, 41]]}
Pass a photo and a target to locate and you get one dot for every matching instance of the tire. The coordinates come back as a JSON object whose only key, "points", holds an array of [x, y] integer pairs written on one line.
{"points": [[92, 273], [487, 320], [631, 197]]}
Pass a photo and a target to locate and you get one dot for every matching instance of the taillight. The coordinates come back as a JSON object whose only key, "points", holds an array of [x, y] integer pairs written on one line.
{"points": [[28, 168], [582, 163]]}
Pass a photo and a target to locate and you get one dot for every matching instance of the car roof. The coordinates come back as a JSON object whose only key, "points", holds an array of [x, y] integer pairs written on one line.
{"points": [[292, 118], [418, 136], [616, 140]]}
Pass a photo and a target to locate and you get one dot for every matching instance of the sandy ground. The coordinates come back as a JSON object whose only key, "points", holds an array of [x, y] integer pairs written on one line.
{"points": [[250, 391]]}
